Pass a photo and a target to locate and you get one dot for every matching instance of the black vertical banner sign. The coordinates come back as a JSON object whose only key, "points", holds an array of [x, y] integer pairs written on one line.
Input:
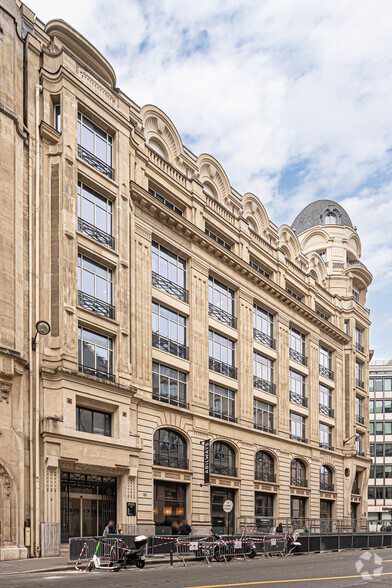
{"points": [[207, 462]]}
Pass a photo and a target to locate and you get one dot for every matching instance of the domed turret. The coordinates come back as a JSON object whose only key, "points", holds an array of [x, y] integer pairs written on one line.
{"points": [[321, 212]]}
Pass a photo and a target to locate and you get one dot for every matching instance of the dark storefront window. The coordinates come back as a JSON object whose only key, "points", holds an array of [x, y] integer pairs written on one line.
{"points": [[169, 506], [264, 504], [297, 511], [326, 513], [88, 502], [222, 522]]}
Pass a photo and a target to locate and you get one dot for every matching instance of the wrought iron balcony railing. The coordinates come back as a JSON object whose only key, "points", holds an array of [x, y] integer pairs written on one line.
{"points": [[170, 400], [299, 481], [360, 453], [173, 347], [95, 233], [264, 338], [355, 262], [298, 399], [223, 470], [169, 287], [222, 368], [359, 383], [104, 375], [94, 161], [326, 486], [326, 446], [359, 347], [222, 415], [355, 489], [265, 476], [265, 428], [222, 316], [264, 385], [360, 419], [168, 461], [326, 410], [98, 306], [326, 372], [298, 438], [297, 356]]}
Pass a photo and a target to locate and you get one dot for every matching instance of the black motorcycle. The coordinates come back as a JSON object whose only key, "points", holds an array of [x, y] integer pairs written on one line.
{"points": [[135, 556]]}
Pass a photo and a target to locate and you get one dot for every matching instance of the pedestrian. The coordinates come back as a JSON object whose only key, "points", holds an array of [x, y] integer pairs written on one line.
{"points": [[185, 529], [110, 528], [304, 529], [279, 528], [174, 528], [388, 528]]}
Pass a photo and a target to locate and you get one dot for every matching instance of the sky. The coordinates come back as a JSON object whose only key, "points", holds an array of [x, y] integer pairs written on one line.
{"points": [[292, 97]]}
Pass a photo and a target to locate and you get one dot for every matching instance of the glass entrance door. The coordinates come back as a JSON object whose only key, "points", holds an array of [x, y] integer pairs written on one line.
{"points": [[222, 522], [89, 517], [83, 516]]}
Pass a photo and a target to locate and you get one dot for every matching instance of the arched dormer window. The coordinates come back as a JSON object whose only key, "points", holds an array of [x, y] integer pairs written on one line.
{"points": [[209, 191], [170, 449], [298, 473], [154, 146], [223, 459], [330, 219], [264, 467], [331, 216], [252, 225], [326, 478]]}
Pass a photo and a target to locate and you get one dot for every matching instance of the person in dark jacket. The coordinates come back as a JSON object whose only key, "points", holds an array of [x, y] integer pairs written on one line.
{"points": [[279, 528], [185, 529], [175, 528], [110, 528]]}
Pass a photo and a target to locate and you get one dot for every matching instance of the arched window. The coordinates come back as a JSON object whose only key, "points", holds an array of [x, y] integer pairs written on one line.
{"points": [[330, 219], [326, 478], [264, 467], [209, 191], [157, 149], [170, 449], [252, 225], [298, 473], [223, 459]]}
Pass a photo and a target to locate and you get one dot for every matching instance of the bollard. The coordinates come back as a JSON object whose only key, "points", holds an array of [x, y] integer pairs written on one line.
{"points": [[171, 557]]}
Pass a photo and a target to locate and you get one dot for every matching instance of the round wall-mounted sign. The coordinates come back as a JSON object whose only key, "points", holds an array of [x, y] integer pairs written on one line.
{"points": [[228, 505]]}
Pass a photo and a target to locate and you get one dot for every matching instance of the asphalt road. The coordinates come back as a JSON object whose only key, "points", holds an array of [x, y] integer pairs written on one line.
{"points": [[316, 570]]}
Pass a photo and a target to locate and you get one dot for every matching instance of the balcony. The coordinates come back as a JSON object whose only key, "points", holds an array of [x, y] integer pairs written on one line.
{"points": [[326, 372], [95, 233], [223, 470], [104, 375], [326, 410], [326, 486], [298, 438], [222, 316], [222, 368], [173, 347], [95, 162], [355, 262], [360, 419], [300, 482], [265, 476], [326, 446], [297, 356], [168, 461], [264, 338], [264, 385], [95, 305], [222, 415], [360, 453], [360, 384], [359, 347], [298, 399], [265, 428], [169, 287], [170, 400]]}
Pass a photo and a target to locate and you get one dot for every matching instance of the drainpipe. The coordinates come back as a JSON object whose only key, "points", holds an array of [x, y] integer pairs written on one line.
{"points": [[30, 338], [38, 89]]}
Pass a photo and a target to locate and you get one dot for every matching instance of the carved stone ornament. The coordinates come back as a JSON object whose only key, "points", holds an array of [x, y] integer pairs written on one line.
{"points": [[5, 391], [5, 482]]}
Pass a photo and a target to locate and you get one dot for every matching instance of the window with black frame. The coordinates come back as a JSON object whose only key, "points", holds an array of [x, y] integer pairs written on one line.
{"points": [[168, 272], [298, 427], [326, 478], [95, 287], [169, 331], [325, 401], [223, 459], [170, 449], [298, 473], [95, 354], [169, 385], [93, 421], [297, 346], [95, 215], [263, 373], [221, 302], [222, 402], [222, 354], [297, 388], [95, 146], [325, 362], [325, 436], [264, 467], [263, 326]]}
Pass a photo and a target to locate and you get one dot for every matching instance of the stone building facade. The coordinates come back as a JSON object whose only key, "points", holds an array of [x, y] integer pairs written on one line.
{"points": [[179, 314]]}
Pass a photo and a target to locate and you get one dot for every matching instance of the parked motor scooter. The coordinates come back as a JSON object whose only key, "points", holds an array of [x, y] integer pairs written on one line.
{"points": [[135, 556]]}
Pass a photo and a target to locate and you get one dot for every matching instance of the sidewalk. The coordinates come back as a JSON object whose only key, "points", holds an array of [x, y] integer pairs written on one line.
{"points": [[35, 564]]}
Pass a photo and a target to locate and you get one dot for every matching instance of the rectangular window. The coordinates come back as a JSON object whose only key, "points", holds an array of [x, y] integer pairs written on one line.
{"points": [[95, 354], [93, 421], [168, 272], [222, 402], [95, 146], [379, 493], [359, 445], [387, 406], [371, 449], [346, 327], [263, 326], [293, 294], [355, 294], [325, 433], [57, 117], [169, 331], [259, 269], [371, 384], [221, 302], [359, 410], [371, 428], [358, 339], [378, 384], [325, 401], [297, 388], [325, 362], [371, 406], [388, 492], [263, 373], [297, 427], [388, 384], [95, 215], [169, 385], [359, 374], [297, 346], [371, 492], [388, 428], [166, 202], [218, 239], [222, 354], [387, 471], [263, 414], [95, 285], [379, 427], [379, 404]]}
